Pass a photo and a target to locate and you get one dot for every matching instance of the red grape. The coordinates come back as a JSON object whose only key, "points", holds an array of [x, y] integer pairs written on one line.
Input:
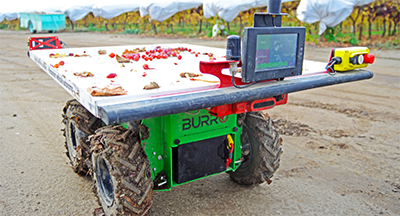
{"points": [[111, 75]]}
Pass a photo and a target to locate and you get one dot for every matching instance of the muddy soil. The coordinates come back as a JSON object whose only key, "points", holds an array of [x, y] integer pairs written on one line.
{"points": [[341, 145]]}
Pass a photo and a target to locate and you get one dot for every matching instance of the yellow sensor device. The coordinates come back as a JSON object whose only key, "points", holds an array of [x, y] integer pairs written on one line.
{"points": [[349, 58]]}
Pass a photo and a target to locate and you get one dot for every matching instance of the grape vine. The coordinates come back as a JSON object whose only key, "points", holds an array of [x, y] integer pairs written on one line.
{"points": [[381, 17]]}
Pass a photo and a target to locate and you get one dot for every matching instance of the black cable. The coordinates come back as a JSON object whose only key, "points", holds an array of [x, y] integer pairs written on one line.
{"points": [[329, 67], [245, 86], [331, 63]]}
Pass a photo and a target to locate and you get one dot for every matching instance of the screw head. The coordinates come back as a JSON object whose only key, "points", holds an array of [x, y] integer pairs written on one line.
{"points": [[159, 157], [235, 129], [177, 141]]}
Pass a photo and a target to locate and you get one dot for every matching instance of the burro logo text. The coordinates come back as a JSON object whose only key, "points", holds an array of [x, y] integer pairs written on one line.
{"points": [[202, 121]]}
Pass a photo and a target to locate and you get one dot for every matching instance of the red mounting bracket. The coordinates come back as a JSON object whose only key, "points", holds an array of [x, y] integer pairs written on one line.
{"points": [[248, 106], [35, 43], [215, 68]]}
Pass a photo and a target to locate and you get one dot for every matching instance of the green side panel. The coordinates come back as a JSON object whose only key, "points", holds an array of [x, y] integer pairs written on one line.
{"points": [[167, 132], [190, 127], [154, 146]]}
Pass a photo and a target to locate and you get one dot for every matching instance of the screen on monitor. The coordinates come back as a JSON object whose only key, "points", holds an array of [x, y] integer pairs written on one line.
{"points": [[275, 51], [272, 52]]}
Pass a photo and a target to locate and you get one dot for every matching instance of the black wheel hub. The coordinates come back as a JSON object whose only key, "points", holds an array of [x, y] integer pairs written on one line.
{"points": [[73, 136], [72, 142], [104, 181], [246, 148]]}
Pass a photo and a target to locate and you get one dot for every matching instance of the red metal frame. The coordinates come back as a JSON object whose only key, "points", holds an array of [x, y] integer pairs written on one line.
{"points": [[51, 42], [215, 68], [247, 106]]}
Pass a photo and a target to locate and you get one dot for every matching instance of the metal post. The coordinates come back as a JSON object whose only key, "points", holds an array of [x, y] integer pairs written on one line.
{"points": [[274, 7]]}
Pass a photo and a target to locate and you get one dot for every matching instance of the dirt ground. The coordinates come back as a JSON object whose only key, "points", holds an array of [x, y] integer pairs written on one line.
{"points": [[341, 145]]}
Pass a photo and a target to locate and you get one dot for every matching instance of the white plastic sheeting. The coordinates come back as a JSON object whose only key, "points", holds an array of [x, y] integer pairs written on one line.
{"points": [[329, 12], [230, 9], [11, 10], [161, 10], [74, 9], [78, 9], [112, 9]]}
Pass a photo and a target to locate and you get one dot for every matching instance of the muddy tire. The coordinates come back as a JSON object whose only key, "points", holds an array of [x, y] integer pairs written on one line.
{"points": [[79, 124], [121, 171], [261, 150]]}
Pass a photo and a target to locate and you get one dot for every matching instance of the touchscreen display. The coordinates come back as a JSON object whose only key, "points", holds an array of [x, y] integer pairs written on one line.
{"points": [[276, 51]]}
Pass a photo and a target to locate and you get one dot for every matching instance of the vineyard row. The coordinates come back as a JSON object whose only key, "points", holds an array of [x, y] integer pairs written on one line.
{"points": [[380, 16]]}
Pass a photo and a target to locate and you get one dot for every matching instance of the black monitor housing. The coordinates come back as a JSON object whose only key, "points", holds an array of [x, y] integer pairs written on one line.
{"points": [[270, 51]]}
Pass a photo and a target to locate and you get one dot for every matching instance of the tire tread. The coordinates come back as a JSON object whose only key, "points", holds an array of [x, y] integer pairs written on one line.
{"points": [[265, 142], [85, 122], [133, 182]]}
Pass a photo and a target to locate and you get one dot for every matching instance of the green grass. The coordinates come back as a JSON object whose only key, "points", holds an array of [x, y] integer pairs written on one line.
{"points": [[131, 31], [388, 44], [95, 29], [80, 29]]}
